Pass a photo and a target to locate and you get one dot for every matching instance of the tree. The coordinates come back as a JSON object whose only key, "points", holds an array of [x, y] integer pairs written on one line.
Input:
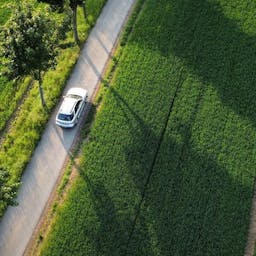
{"points": [[83, 4], [55, 4], [7, 191], [28, 48], [73, 4]]}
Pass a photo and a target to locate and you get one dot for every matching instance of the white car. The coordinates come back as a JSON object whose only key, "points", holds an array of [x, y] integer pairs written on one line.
{"points": [[71, 107]]}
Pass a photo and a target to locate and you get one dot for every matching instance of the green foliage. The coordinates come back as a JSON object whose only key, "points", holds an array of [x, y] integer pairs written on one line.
{"points": [[21, 139], [29, 45], [58, 4], [7, 191], [170, 163], [10, 92], [131, 21], [5, 10], [10, 96], [71, 16]]}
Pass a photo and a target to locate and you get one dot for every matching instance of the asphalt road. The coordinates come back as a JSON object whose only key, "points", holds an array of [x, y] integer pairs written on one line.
{"points": [[42, 172]]}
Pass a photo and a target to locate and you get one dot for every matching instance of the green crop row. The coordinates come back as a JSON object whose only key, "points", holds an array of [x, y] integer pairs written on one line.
{"points": [[169, 167], [21, 139]]}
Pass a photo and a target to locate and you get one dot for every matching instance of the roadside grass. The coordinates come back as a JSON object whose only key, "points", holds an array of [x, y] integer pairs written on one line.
{"points": [[169, 168], [21, 139], [10, 97]]}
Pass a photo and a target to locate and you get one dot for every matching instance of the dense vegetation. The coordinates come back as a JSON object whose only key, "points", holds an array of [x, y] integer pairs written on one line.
{"points": [[170, 163], [5, 11], [19, 141], [9, 94]]}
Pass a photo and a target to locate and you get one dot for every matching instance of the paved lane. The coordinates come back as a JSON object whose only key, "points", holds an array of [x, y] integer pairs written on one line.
{"points": [[43, 170]]}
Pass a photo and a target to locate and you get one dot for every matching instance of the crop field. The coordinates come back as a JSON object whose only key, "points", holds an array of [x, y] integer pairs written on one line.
{"points": [[169, 168]]}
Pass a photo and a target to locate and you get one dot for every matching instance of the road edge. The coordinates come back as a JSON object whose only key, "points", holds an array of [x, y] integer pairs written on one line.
{"points": [[54, 193]]}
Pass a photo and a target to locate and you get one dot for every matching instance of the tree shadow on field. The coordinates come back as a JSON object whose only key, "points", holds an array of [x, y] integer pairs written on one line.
{"points": [[112, 235], [109, 238], [189, 203], [211, 45], [105, 210], [192, 206]]}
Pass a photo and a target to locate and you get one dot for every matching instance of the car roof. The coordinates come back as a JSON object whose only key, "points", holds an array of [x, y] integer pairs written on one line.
{"points": [[67, 105], [77, 91]]}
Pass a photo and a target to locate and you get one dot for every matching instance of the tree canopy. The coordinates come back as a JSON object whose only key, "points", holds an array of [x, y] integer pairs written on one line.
{"points": [[29, 45], [73, 4], [7, 191], [60, 3]]}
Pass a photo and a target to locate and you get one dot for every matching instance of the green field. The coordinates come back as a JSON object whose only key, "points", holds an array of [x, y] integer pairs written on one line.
{"points": [[169, 167]]}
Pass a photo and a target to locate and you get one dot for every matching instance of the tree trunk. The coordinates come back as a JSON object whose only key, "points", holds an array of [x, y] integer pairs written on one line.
{"points": [[41, 93], [74, 21], [84, 10]]}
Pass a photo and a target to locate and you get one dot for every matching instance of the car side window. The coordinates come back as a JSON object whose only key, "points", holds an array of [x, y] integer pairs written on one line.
{"points": [[77, 106]]}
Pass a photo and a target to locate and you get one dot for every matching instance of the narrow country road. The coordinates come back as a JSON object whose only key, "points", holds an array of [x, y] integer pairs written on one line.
{"points": [[42, 172]]}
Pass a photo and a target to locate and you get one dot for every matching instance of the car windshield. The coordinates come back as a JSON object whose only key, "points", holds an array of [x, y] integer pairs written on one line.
{"points": [[74, 96], [65, 117]]}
